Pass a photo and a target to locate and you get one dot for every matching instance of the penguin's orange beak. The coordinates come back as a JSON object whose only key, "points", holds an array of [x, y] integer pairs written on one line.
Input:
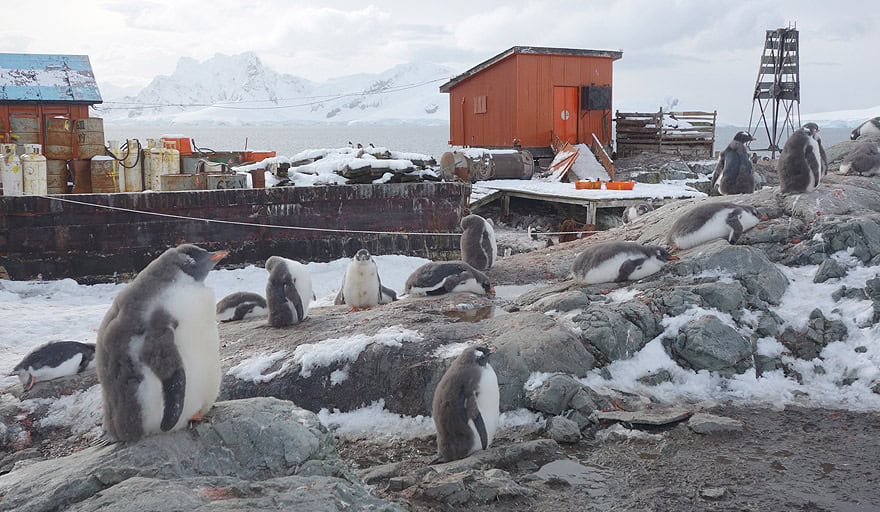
{"points": [[673, 258], [764, 217], [31, 383], [219, 255]]}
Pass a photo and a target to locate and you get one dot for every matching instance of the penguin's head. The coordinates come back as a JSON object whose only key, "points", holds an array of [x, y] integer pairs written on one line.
{"points": [[362, 255], [644, 208], [481, 355], [855, 134], [812, 129], [197, 262], [472, 221], [744, 137], [663, 255]]}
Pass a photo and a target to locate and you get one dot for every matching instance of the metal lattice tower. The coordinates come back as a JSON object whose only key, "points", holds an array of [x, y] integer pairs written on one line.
{"points": [[778, 89]]}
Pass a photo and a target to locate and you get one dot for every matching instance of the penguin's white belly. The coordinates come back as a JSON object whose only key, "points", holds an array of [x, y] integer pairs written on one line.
{"points": [[648, 267], [715, 227], [488, 401], [490, 232], [470, 285], [228, 313], [69, 367], [608, 270], [814, 159], [198, 344], [361, 288]]}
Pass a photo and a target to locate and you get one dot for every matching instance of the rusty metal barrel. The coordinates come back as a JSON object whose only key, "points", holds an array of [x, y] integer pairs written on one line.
{"points": [[476, 164], [89, 134], [59, 139], [82, 176], [56, 176], [25, 129], [104, 175]]}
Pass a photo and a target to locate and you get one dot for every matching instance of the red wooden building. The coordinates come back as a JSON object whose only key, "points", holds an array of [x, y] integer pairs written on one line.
{"points": [[528, 93]]}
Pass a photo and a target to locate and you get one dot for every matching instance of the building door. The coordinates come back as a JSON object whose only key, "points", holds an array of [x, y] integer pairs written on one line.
{"points": [[565, 113]]}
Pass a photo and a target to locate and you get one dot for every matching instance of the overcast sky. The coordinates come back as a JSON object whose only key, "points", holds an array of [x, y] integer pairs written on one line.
{"points": [[704, 53]]}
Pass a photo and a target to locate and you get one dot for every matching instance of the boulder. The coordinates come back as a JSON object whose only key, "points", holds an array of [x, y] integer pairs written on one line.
{"points": [[619, 330], [707, 343], [705, 423], [262, 451], [563, 430]]}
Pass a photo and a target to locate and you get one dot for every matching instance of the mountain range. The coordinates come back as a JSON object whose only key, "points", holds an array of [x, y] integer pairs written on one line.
{"points": [[241, 90]]}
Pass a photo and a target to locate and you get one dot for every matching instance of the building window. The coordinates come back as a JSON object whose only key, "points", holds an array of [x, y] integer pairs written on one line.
{"points": [[479, 105]]}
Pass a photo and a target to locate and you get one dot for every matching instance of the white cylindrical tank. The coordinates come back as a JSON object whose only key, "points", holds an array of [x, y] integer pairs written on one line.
{"points": [[10, 171], [131, 167], [153, 165], [170, 159], [33, 168], [113, 146]]}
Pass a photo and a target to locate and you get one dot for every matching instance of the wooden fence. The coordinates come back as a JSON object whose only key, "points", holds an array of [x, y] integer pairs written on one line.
{"points": [[684, 133]]}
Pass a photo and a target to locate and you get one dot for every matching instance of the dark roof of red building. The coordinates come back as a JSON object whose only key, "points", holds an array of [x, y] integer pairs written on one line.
{"points": [[539, 50]]}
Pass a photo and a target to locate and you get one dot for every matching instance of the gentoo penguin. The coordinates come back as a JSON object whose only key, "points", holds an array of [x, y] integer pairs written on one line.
{"points": [[288, 292], [611, 262], [54, 360], [869, 127], [632, 213], [158, 348], [733, 172], [863, 159], [240, 305], [478, 246], [802, 163], [709, 221], [437, 278], [361, 286], [466, 406]]}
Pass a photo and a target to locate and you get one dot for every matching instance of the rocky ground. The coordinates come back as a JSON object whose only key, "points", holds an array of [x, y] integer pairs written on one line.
{"points": [[590, 449]]}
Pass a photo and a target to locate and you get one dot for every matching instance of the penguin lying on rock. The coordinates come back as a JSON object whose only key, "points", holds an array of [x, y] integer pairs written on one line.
{"points": [[709, 221], [466, 406], [869, 127], [55, 360], [437, 278], [632, 213], [240, 305], [158, 349], [611, 262], [863, 159]]}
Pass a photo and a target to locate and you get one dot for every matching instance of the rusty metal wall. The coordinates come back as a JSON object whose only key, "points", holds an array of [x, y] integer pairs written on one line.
{"points": [[57, 239]]}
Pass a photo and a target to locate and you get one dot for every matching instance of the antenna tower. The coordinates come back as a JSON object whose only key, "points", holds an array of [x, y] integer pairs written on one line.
{"points": [[777, 96]]}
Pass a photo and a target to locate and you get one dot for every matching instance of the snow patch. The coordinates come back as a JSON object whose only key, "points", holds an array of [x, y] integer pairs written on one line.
{"points": [[252, 368], [324, 353]]}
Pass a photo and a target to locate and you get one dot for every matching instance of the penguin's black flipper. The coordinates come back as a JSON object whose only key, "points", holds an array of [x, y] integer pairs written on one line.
{"points": [[735, 225], [161, 356], [813, 160], [719, 167], [486, 245], [628, 267], [340, 297], [386, 294], [473, 413], [293, 296]]}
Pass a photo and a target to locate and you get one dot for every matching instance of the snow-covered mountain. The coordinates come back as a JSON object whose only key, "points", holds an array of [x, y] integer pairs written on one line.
{"points": [[842, 118], [240, 90]]}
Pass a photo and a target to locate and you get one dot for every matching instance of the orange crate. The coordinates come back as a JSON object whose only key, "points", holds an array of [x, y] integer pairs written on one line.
{"points": [[182, 144], [257, 156], [619, 185], [587, 185]]}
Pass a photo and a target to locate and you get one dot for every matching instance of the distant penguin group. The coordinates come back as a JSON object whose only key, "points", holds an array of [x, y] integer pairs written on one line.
{"points": [[803, 163], [733, 172]]}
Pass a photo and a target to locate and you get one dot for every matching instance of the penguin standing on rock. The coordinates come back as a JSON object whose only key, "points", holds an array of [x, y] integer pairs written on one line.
{"points": [[863, 159], [466, 406], [240, 305], [288, 292], [612, 262], [361, 286], [157, 353], [437, 278], [733, 173], [55, 360], [709, 221], [803, 163], [869, 127], [478, 246]]}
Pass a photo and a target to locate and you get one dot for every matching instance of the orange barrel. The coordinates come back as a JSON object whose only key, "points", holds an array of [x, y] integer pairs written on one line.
{"points": [[59, 139], [104, 175], [89, 134], [82, 176], [56, 176], [25, 129]]}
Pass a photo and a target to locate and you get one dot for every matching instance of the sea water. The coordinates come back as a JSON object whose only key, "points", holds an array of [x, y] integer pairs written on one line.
{"points": [[290, 140]]}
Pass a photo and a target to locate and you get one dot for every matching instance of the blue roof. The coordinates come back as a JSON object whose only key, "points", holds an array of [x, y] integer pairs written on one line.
{"points": [[36, 77]]}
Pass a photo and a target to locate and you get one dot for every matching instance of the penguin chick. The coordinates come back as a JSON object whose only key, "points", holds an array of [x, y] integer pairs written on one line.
{"points": [[609, 262], [863, 159], [465, 407], [54, 360], [240, 305], [632, 213], [288, 291], [802, 163], [733, 172], [711, 220], [437, 278], [478, 246], [361, 286], [157, 350]]}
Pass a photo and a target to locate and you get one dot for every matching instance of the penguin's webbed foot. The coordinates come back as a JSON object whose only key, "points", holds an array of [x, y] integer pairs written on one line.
{"points": [[439, 459], [30, 383], [198, 417]]}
